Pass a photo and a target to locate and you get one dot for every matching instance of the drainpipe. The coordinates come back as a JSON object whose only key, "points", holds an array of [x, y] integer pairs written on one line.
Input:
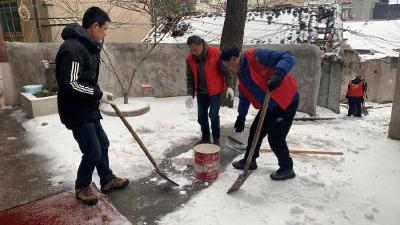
{"points": [[37, 20]]}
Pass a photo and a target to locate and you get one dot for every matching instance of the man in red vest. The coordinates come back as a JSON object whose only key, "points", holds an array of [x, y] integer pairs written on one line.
{"points": [[355, 95], [207, 79], [262, 71]]}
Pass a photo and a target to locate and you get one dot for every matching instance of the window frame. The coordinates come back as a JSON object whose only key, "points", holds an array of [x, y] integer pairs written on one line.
{"points": [[15, 22]]}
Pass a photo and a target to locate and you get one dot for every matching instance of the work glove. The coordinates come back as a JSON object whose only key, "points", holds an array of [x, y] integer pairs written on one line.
{"points": [[239, 124], [189, 102], [107, 98], [274, 81], [230, 94]]}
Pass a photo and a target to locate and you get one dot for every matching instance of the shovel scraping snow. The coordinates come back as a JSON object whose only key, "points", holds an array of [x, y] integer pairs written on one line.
{"points": [[142, 146], [243, 177]]}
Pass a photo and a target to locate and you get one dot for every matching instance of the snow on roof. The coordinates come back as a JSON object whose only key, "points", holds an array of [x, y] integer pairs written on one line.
{"points": [[276, 26], [382, 37]]}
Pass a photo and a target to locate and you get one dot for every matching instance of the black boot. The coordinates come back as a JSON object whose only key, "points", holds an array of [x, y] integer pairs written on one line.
{"points": [[240, 164], [216, 141], [282, 174]]}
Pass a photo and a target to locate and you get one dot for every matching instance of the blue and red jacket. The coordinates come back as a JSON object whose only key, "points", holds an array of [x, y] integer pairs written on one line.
{"points": [[256, 67]]}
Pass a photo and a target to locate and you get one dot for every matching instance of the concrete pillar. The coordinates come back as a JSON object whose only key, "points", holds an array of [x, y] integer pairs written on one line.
{"points": [[394, 127]]}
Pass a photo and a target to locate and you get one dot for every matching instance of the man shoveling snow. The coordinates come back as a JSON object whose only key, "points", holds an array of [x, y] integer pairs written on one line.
{"points": [[79, 96], [261, 71]]}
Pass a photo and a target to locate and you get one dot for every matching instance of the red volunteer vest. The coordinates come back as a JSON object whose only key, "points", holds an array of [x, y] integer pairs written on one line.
{"points": [[355, 90], [283, 95], [214, 77]]}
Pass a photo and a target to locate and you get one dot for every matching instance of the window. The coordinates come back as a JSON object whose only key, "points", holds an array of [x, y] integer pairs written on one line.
{"points": [[9, 16]]}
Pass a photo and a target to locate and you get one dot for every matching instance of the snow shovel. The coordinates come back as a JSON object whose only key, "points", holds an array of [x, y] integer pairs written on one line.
{"points": [[159, 172], [364, 109], [246, 173]]}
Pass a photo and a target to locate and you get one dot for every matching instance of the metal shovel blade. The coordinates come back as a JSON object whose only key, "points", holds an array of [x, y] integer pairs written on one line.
{"points": [[365, 111], [166, 178], [242, 177], [239, 182]]}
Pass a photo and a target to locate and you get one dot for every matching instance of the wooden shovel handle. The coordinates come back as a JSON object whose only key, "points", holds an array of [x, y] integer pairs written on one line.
{"points": [[138, 140], [306, 152]]}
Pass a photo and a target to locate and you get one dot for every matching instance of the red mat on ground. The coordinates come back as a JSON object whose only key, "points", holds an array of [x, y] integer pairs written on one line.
{"points": [[63, 209]]}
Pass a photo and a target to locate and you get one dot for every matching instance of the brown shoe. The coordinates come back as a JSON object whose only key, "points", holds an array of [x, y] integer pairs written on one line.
{"points": [[86, 196], [216, 141], [114, 184]]}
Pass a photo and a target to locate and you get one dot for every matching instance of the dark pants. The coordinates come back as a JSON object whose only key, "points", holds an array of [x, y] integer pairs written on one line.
{"points": [[204, 102], [354, 106], [94, 144], [276, 124]]}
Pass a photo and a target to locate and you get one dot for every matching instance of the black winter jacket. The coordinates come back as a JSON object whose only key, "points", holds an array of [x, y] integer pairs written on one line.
{"points": [[77, 72]]}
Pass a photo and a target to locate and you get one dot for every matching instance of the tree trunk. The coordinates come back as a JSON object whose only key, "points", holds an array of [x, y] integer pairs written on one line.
{"points": [[126, 96], [233, 32]]}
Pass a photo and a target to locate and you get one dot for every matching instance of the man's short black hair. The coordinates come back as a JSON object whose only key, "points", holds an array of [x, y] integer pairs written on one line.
{"points": [[194, 39], [227, 54], [94, 15]]}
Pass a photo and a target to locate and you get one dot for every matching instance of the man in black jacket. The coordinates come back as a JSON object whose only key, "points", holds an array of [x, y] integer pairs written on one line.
{"points": [[79, 96]]}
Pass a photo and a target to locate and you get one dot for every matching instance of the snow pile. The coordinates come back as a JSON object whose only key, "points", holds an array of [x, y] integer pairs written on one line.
{"points": [[381, 37]]}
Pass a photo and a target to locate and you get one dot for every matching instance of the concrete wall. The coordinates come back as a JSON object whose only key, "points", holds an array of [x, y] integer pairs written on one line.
{"points": [[10, 92], [331, 84], [34, 107], [394, 127], [164, 69], [26, 65], [380, 75], [127, 26], [2, 100], [387, 79]]}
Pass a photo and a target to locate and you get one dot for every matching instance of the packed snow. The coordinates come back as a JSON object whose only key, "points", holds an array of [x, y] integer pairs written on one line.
{"points": [[360, 187]]}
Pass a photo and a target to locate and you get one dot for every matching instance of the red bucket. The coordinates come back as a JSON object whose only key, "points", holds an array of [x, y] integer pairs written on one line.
{"points": [[206, 158]]}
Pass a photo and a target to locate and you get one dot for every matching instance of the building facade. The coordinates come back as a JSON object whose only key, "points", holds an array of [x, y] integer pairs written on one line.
{"points": [[43, 20]]}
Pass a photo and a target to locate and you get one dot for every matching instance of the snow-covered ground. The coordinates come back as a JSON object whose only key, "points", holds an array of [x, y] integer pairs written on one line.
{"points": [[360, 187]]}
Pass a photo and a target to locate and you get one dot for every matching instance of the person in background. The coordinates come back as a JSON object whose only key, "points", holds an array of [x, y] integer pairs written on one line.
{"points": [[355, 95], [207, 79]]}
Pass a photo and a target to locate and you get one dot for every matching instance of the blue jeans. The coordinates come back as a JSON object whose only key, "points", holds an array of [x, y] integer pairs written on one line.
{"points": [[93, 143], [204, 102]]}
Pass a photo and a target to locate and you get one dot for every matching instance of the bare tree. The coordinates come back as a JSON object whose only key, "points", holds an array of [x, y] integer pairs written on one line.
{"points": [[233, 32], [167, 11]]}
